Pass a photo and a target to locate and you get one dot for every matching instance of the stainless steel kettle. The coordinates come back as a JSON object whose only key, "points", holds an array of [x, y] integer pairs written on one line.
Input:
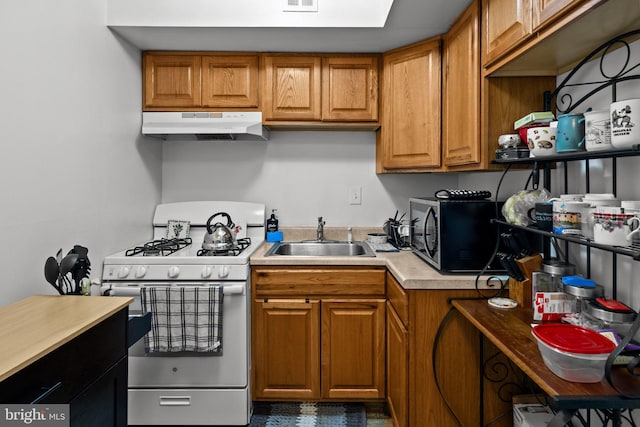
{"points": [[219, 237]]}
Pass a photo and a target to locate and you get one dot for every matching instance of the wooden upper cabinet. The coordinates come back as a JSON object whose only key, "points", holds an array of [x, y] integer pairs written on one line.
{"points": [[350, 88], [193, 81], [171, 80], [230, 81], [292, 87], [544, 11], [411, 86], [461, 91], [504, 24]]}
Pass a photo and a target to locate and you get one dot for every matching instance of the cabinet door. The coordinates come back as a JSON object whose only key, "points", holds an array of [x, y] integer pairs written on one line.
{"points": [[292, 88], [104, 402], [171, 80], [353, 360], [544, 11], [397, 368], [286, 349], [410, 133], [461, 91], [350, 88], [504, 23], [230, 81]]}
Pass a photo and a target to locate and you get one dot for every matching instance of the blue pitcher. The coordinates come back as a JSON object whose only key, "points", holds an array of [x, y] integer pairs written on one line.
{"points": [[570, 133]]}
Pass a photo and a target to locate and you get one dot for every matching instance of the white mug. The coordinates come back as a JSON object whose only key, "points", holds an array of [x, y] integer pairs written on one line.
{"points": [[615, 229], [635, 229], [567, 216], [631, 206], [597, 127], [625, 123]]}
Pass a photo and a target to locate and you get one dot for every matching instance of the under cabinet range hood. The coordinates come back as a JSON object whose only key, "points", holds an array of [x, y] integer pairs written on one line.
{"points": [[232, 126]]}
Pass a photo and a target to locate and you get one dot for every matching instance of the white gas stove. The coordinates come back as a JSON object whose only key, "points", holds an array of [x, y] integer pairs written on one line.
{"points": [[182, 258], [191, 388]]}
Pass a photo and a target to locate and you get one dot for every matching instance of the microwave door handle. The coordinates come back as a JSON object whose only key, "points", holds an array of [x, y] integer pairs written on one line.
{"points": [[432, 251]]}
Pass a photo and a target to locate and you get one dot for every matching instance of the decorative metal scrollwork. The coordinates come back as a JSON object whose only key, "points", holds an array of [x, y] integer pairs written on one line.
{"points": [[499, 370], [624, 72]]}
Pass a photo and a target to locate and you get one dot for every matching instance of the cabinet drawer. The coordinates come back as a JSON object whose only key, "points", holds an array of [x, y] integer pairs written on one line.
{"points": [[75, 365], [288, 281], [398, 298]]}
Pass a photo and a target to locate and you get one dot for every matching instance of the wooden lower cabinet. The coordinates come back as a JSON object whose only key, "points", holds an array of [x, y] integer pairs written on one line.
{"points": [[353, 348], [318, 333], [397, 368], [286, 340], [413, 319]]}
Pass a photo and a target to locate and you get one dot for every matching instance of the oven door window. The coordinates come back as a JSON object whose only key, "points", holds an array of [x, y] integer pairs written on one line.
{"points": [[431, 232]]}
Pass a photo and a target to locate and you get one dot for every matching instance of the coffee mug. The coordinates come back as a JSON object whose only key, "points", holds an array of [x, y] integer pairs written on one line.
{"points": [[631, 206], [542, 215], [541, 141], [625, 121], [597, 130], [567, 216], [595, 200], [570, 133], [615, 229], [568, 198]]}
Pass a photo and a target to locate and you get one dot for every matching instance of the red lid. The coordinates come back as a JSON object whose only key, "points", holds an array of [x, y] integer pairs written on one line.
{"points": [[573, 339]]}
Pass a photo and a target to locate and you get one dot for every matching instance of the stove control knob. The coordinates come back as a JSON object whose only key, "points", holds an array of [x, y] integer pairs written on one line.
{"points": [[124, 272], [223, 272], [173, 272], [141, 271], [207, 270]]}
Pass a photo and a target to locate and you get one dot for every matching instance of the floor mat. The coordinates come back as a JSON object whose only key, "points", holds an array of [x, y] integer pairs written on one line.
{"points": [[308, 414]]}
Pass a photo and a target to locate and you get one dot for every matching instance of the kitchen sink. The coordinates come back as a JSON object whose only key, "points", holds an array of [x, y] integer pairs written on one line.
{"points": [[323, 248]]}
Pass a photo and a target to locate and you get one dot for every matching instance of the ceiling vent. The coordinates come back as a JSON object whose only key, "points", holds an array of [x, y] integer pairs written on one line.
{"points": [[300, 6]]}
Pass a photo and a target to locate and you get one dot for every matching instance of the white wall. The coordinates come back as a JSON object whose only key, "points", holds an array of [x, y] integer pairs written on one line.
{"points": [[302, 174], [75, 170]]}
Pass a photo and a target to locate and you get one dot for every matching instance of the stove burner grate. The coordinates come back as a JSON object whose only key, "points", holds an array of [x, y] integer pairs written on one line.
{"points": [[241, 245], [160, 247]]}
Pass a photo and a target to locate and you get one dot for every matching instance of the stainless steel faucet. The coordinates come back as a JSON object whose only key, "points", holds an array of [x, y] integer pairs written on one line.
{"points": [[320, 236]]}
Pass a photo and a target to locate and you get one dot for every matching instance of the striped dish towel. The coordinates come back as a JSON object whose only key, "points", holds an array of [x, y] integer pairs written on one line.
{"points": [[184, 318]]}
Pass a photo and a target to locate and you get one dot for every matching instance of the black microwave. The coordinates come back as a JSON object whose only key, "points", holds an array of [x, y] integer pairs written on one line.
{"points": [[455, 236]]}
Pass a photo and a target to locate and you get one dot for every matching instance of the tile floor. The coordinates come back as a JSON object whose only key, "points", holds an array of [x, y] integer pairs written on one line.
{"points": [[378, 415]]}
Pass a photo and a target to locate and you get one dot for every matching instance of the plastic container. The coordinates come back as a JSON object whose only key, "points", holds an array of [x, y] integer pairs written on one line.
{"points": [[573, 353]]}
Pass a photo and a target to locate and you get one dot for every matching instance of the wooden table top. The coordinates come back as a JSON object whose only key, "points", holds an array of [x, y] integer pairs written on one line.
{"points": [[510, 331], [37, 325]]}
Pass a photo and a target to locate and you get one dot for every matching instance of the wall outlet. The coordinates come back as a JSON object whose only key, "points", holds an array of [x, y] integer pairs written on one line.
{"points": [[355, 195]]}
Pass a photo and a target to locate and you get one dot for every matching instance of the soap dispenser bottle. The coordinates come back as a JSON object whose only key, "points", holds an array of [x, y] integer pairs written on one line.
{"points": [[272, 222]]}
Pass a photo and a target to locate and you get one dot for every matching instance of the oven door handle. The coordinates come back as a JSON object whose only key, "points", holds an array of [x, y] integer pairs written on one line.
{"points": [[133, 291]]}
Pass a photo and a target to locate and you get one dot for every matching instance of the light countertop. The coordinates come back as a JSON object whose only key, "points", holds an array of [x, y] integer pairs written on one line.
{"points": [[410, 271], [37, 325]]}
